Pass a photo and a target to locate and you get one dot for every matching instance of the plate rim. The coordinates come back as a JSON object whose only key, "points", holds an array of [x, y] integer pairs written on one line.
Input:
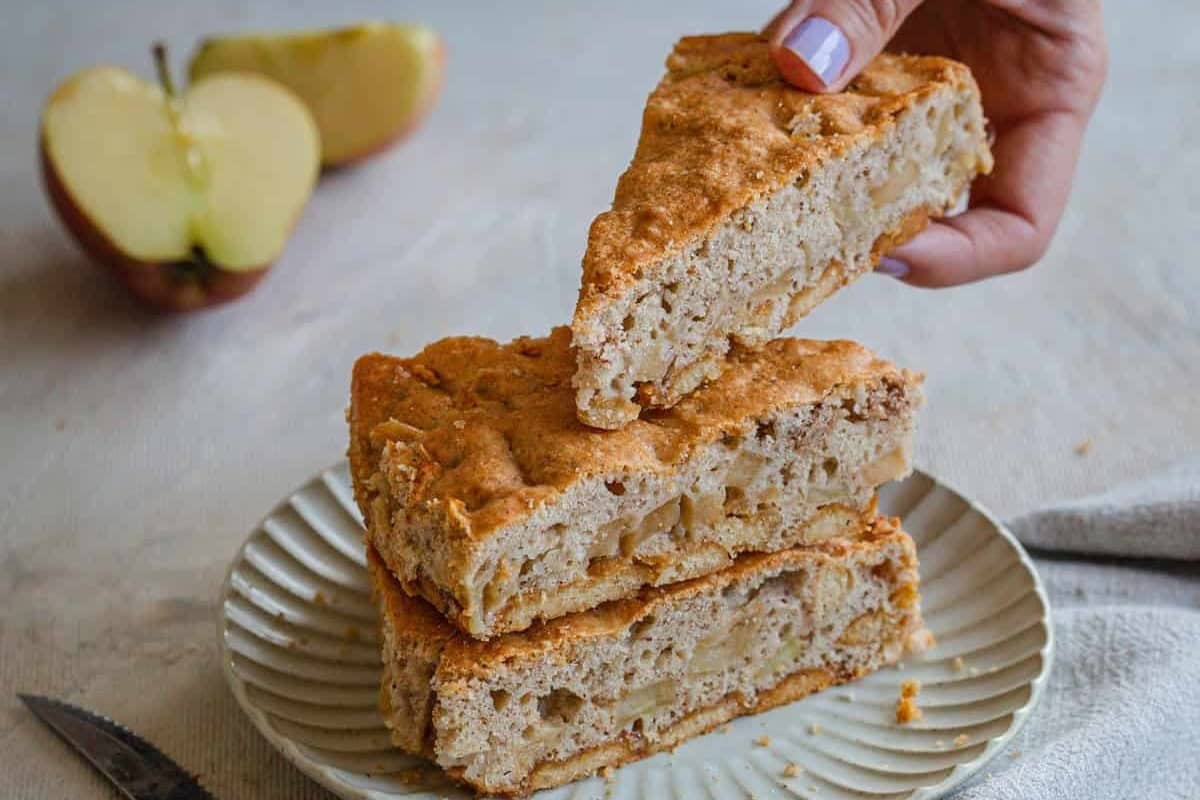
{"points": [[1037, 686], [325, 775]]}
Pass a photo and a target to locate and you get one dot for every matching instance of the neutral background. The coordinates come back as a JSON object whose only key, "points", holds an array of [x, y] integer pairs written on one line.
{"points": [[136, 451]]}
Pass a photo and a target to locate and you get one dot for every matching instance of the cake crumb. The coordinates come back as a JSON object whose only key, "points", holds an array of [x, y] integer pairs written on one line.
{"points": [[848, 697], [763, 741], [412, 777], [1084, 447], [1014, 754], [814, 728], [958, 664], [961, 740], [607, 774], [793, 771], [906, 706]]}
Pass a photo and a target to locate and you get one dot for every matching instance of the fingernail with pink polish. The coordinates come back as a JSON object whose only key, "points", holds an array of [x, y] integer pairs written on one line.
{"points": [[892, 266], [821, 45]]}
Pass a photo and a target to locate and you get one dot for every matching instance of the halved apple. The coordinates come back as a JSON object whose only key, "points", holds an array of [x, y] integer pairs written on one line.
{"points": [[188, 199], [366, 85]]}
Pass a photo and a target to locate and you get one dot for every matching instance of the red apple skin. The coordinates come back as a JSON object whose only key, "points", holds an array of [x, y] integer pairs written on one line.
{"points": [[155, 284], [405, 130]]}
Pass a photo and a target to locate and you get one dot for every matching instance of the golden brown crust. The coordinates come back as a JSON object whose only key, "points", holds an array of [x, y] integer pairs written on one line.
{"points": [[489, 431], [723, 129], [464, 657]]}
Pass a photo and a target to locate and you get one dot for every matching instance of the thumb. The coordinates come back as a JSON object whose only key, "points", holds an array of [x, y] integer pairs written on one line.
{"points": [[820, 45]]}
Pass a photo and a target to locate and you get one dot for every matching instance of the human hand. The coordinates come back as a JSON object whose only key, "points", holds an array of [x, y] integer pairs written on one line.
{"points": [[1040, 65]]}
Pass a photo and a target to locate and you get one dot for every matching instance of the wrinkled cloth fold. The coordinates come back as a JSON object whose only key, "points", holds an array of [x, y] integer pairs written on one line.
{"points": [[1120, 717], [1157, 517]]}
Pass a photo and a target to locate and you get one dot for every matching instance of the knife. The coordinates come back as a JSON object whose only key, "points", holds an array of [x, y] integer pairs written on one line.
{"points": [[136, 767]]}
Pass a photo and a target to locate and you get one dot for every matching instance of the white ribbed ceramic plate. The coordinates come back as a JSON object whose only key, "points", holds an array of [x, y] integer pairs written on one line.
{"points": [[298, 638]]}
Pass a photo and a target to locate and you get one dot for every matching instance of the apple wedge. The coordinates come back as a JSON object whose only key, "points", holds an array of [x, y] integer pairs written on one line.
{"points": [[189, 199], [366, 85]]}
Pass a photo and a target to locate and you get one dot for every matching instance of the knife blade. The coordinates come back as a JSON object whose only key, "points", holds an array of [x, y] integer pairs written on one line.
{"points": [[137, 768]]}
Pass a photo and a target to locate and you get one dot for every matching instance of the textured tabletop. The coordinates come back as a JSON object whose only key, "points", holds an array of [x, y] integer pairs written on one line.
{"points": [[137, 451]]}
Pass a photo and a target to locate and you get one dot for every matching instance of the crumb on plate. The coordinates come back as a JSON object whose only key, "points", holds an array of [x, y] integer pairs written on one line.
{"points": [[906, 706]]}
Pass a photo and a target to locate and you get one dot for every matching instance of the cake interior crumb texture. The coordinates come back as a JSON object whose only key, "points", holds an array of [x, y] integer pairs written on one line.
{"points": [[487, 497], [597, 689], [748, 202]]}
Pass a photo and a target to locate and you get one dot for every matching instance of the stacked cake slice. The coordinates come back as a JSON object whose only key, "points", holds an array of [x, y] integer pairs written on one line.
{"points": [[489, 499], [602, 687], [593, 545]]}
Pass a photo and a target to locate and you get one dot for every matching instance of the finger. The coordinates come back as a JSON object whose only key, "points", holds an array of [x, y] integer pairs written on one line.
{"points": [[783, 22], [961, 249], [1013, 213], [820, 45]]}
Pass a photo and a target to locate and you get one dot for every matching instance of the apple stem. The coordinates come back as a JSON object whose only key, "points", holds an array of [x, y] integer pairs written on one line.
{"points": [[164, 72]]}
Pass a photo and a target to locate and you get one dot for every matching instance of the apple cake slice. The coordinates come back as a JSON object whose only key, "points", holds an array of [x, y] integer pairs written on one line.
{"points": [[748, 202], [485, 495], [603, 687]]}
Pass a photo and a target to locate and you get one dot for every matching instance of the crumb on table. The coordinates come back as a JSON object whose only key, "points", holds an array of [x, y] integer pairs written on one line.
{"points": [[958, 664], [814, 728], [961, 740], [906, 706], [763, 741], [793, 771], [1084, 447]]}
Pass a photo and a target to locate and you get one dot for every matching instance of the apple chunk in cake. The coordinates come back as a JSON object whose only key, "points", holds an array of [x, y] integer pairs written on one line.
{"points": [[748, 202], [486, 496], [596, 689]]}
